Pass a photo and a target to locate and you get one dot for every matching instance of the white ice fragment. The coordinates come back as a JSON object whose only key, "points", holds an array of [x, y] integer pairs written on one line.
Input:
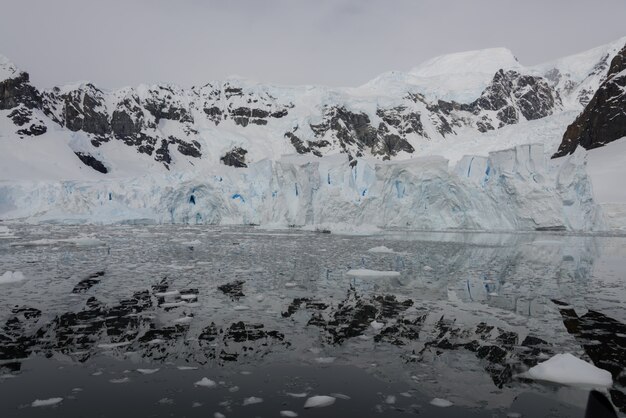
{"points": [[155, 341], [380, 249], [390, 400], [319, 401], [186, 368], [196, 404], [372, 273], [252, 400], [206, 383], [290, 284], [325, 360], [11, 277], [288, 414], [442, 403], [189, 297], [166, 401], [122, 380], [168, 293], [340, 396], [377, 325], [46, 402], [570, 370], [427, 268], [184, 320], [297, 395], [241, 308], [259, 298], [191, 243], [218, 415], [114, 345], [513, 415], [147, 371]]}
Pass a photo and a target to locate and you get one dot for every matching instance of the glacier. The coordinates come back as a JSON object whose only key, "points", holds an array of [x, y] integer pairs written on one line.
{"points": [[513, 189]]}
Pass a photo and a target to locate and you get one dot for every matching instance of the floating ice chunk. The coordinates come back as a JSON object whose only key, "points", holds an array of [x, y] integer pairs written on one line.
{"points": [[340, 396], [513, 415], [390, 400], [288, 414], [241, 308], [252, 400], [46, 402], [259, 298], [114, 345], [427, 268], [297, 395], [377, 325], [122, 380], [174, 304], [570, 370], [148, 371], [380, 249], [191, 243], [98, 373], [11, 277], [189, 297], [319, 401], [184, 320], [291, 284], [218, 415], [325, 360], [205, 382], [233, 389], [166, 401], [168, 293], [155, 341], [442, 403], [371, 273], [196, 404]]}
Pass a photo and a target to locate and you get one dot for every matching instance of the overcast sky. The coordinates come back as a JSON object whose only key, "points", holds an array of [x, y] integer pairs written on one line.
{"points": [[116, 43]]}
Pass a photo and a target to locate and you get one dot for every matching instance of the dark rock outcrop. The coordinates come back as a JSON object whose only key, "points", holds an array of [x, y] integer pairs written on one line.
{"points": [[604, 119], [91, 161], [235, 158], [18, 90]]}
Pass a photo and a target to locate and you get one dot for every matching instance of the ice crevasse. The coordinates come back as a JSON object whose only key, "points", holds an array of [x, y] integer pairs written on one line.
{"points": [[514, 189]]}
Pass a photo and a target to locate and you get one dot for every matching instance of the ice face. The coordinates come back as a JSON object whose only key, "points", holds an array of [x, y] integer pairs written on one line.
{"points": [[515, 189]]}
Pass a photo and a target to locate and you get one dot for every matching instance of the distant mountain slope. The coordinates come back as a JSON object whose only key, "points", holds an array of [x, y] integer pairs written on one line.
{"points": [[604, 119], [165, 127]]}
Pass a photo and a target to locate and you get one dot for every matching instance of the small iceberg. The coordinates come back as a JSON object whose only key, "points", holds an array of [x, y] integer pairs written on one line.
{"points": [[372, 273], [568, 369], [319, 401], [46, 402], [12, 277], [205, 382], [442, 403]]}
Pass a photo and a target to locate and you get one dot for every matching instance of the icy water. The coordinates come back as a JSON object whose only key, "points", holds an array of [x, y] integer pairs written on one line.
{"points": [[128, 321]]}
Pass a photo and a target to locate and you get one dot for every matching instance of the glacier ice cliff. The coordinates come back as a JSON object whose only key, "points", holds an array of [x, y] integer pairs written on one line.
{"points": [[514, 189]]}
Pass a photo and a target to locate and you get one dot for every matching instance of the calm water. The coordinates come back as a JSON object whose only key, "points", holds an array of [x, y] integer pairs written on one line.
{"points": [[272, 315]]}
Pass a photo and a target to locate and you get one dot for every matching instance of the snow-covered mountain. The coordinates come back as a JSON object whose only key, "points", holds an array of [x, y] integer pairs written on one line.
{"points": [[243, 133]]}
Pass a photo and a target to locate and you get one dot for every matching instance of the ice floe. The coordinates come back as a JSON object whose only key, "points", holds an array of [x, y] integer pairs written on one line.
{"points": [[46, 402], [570, 370], [319, 401], [371, 273], [205, 382]]}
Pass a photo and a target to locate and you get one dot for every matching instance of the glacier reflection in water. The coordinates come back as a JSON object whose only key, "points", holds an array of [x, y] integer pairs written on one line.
{"points": [[102, 309]]}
